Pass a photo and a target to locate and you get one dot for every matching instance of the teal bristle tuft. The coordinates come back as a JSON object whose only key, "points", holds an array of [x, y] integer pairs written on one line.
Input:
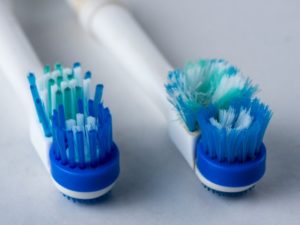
{"points": [[199, 84], [73, 115], [234, 134]]}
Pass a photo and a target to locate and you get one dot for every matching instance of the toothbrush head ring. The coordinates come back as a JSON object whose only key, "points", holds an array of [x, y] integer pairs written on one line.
{"points": [[229, 177], [85, 183]]}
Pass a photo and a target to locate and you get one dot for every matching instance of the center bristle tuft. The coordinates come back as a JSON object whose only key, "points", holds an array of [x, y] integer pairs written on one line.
{"points": [[73, 115]]}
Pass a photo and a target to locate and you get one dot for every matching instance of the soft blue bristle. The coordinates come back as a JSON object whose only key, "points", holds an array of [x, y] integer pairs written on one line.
{"points": [[80, 106], [87, 75], [80, 148], [43, 118], [234, 134], [61, 117], [76, 64], [71, 148], [92, 135], [83, 148], [40, 109], [199, 84], [82, 136], [91, 108], [98, 96]]}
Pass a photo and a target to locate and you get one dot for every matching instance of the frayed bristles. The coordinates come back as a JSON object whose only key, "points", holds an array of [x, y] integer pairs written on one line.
{"points": [[205, 82], [74, 116], [234, 134]]}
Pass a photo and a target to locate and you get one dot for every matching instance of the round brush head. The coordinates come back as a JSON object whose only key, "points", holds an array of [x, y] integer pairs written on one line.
{"points": [[84, 160], [230, 155], [229, 178], [87, 182]]}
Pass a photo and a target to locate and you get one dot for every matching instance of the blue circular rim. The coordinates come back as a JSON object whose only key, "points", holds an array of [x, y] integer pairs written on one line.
{"points": [[231, 174], [87, 179]]}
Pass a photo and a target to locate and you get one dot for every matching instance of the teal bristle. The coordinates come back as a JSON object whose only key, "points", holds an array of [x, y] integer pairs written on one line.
{"points": [[80, 127], [199, 84], [234, 134]]}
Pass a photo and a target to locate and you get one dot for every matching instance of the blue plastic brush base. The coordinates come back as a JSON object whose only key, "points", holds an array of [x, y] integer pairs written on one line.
{"points": [[231, 174], [88, 179]]}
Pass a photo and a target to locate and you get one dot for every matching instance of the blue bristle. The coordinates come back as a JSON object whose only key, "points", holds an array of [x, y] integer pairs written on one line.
{"points": [[43, 118], [87, 75], [91, 108], [80, 106], [92, 135], [80, 148], [54, 128], [61, 117], [98, 93], [230, 139], [39, 106], [71, 148], [76, 64], [60, 137], [31, 79]]}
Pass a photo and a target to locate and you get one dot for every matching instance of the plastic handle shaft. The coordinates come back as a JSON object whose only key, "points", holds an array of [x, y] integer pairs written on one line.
{"points": [[16, 56], [115, 27]]}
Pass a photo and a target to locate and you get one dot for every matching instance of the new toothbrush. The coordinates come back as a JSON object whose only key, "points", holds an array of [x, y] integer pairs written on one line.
{"points": [[114, 27], [83, 159], [83, 177]]}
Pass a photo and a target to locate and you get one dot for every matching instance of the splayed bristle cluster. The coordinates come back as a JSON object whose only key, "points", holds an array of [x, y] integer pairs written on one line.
{"points": [[234, 134], [206, 82], [75, 117]]}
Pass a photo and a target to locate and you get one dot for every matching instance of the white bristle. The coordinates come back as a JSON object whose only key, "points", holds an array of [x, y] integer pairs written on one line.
{"points": [[70, 124], [54, 89], [244, 120], [228, 83], [54, 74], [63, 85], [77, 73], [226, 117], [80, 120], [66, 72], [91, 122]]}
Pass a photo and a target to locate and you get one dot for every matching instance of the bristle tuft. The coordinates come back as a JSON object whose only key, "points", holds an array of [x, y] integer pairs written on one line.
{"points": [[205, 82], [79, 124], [234, 134]]}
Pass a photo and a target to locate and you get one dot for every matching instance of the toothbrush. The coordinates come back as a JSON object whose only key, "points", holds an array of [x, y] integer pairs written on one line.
{"points": [[83, 159], [81, 176], [231, 156], [113, 25]]}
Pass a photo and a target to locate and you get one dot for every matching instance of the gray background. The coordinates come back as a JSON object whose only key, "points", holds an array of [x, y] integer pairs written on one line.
{"points": [[156, 185]]}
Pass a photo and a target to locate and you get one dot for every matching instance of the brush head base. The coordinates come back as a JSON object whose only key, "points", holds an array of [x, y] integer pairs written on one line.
{"points": [[229, 177], [87, 183]]}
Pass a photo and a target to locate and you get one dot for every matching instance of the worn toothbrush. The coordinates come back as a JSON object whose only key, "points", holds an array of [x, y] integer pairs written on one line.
{"points": [[79, 176], [190, 89]]}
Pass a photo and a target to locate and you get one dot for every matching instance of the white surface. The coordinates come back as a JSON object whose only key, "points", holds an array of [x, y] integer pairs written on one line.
{"points": [[156, 185]]}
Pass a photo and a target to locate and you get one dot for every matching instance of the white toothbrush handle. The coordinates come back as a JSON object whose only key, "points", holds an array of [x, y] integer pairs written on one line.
{"points": [[16, 56], [115, 27]]}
